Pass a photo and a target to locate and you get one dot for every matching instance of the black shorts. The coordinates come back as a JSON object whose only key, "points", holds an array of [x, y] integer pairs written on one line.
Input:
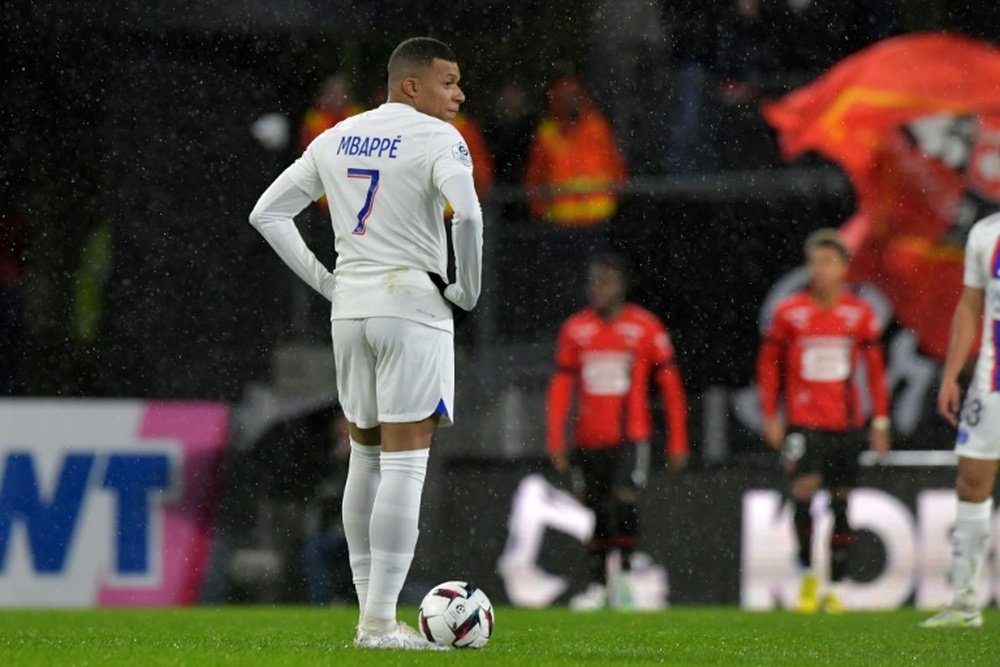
{"points": [[831, 454], [596, 472]]}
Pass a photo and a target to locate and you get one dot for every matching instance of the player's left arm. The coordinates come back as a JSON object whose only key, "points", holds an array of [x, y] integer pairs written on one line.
{"points": [[668, 380], [451, 171], [671, 386], [467, 233], [879, 438]]}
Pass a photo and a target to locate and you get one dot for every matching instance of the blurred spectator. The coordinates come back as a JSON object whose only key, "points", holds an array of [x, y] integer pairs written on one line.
{"points": [[332, 104], [508, 133], [693, 38], [575, 162], [745, 64], [745, 54], [13, 242], [628, 41], [574, 167], [811, 36]]}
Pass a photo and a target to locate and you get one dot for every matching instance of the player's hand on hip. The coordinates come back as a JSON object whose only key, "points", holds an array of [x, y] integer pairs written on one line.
{"points": [[677, 462], [949, 400], [559, 461], [773, 431], [454, 294]]}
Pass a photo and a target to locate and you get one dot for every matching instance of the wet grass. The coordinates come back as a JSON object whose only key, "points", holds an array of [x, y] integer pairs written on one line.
{"points": [[281, 636]]}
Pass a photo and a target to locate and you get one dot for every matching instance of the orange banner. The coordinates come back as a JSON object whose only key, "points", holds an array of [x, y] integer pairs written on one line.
{"points": [[915, 122]]}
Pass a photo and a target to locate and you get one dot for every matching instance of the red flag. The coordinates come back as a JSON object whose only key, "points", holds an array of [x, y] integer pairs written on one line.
{"points": [[915, 123]]}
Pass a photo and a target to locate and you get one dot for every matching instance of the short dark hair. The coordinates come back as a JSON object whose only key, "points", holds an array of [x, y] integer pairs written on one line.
{"points": [[613, 261], [417, 52], [827, 237]]}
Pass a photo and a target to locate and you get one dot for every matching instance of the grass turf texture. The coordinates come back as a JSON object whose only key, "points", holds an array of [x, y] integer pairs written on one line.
{"points": [[312, 636]]}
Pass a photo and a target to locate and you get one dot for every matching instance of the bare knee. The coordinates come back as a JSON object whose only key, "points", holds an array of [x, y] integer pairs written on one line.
{"points": [[409, 436], [972, 489], [805, 487], [369, 437], [975, 480]]}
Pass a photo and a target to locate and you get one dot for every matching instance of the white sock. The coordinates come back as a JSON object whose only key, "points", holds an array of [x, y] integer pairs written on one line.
{"points": [[393, 537], [969, 546], [363, 475]]}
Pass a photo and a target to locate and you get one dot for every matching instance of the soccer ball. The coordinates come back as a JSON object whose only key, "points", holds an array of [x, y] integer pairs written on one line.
{"points": [[457, 614]]}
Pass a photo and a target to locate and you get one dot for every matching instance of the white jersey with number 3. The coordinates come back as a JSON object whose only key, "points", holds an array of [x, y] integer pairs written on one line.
{"points": [[982, 271], [382, 173]]}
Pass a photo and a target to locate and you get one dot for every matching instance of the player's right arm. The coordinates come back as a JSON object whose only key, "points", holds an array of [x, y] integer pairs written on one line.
{"points": [[964, 324], [274, 217], [769, 368], [560, 399]]}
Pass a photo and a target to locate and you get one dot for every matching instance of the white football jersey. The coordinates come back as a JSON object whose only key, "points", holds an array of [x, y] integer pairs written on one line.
{"points": [[982, 270], [382, 172]]}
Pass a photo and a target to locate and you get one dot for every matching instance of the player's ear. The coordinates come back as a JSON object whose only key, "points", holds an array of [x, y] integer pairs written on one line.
{"points": [[410, 86]]}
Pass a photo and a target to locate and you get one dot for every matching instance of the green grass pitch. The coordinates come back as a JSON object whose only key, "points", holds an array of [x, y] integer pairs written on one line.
{"points": [[278, 636]]}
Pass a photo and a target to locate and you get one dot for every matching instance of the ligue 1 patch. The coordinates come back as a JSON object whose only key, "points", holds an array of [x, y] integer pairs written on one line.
{"points": [[461, 153]]}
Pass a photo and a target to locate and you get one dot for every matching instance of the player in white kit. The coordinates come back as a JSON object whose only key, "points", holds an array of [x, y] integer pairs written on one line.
{"points": [[978, 440], [386, 174]]}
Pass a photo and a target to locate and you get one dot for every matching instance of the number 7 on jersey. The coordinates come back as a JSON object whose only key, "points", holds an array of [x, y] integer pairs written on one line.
{"points": [[366, 209]]}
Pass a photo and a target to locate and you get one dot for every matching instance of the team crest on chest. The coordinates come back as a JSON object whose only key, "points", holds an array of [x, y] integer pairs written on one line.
{"points": [[585, 333], [798, 317], [850, 315], [630, 332]]}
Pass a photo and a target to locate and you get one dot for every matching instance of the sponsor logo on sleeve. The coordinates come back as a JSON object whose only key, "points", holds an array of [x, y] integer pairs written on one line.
{"points": [[461, 153]]}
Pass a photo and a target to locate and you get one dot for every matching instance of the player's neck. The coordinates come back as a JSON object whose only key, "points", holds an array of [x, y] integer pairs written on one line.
{"points": [[394, 96], [826, 297], [611, 311]]}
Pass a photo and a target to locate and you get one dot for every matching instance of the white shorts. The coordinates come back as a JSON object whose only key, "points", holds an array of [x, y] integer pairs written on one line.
{"points": [[393, 370], [979, 426]]}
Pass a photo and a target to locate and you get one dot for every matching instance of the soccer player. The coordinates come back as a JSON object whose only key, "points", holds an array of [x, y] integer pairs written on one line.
{"points": [[978, 440], [386, 174], [808, 357], [605, 355]]}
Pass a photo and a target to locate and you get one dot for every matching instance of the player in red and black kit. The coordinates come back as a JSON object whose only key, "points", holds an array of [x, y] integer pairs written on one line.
{"points": [[605, 356], [809, 355]]}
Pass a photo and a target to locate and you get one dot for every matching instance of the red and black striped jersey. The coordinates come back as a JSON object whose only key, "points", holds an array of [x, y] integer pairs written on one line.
{"points": [[808, 358], [607, 364]]}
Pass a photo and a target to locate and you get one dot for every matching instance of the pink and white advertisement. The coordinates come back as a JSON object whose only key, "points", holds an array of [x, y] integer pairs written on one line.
{"points": [[107, 502]]}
